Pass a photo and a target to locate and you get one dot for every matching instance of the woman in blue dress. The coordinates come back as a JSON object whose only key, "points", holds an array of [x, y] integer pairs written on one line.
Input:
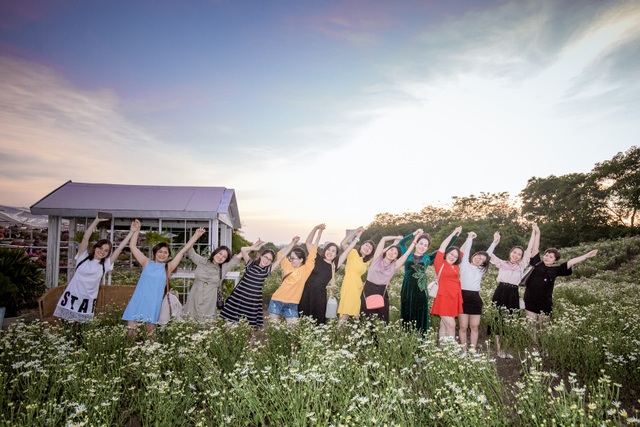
{"points": [[144, 305]]}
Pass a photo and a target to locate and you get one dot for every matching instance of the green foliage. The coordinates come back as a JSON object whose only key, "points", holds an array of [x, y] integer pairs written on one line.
{"points": [[570, 208], [238, 241], [152, 238], [358, 373], [620, 178], [484, 214], [80, 235], [21, 281]]}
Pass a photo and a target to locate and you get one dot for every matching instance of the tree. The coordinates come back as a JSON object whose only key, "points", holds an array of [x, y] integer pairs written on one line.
{"points": [[238, 241], [573, 206], [620, 179]]}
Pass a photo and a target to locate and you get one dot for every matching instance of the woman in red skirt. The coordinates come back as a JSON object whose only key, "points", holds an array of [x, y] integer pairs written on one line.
{"points": [[448, 301]]}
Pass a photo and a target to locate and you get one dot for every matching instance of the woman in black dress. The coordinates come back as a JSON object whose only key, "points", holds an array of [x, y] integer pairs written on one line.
{"points": [[313, 301]]}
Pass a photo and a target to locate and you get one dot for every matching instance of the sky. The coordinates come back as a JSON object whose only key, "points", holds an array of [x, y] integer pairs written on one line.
{"points": [[314, 112]]}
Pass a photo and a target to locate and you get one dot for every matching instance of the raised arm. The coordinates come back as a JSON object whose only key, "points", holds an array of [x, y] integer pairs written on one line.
{"points": [[404, 242], [494, 244], [173, 264], [355, 238], [246, 250], [132, 229], [445, 242], [400, 261], [133, 245], [355, 234], [84, 244], [534, 242], [284, 252], [383, 243], [466, 248], [310, 238], [432, 255], [577, 260]]}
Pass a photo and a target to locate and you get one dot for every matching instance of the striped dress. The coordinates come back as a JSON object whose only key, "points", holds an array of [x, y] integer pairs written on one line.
{"points": [[246, 299]]}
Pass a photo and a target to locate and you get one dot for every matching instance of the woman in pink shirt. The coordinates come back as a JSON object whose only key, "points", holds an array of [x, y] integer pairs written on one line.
{"points": [[510, 274], [384, 264]]}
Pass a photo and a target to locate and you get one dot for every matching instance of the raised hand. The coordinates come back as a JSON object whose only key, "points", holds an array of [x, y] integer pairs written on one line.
{"points": [[472, 235]]}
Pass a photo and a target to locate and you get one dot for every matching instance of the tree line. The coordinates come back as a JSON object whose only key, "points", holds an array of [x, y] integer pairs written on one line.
{"points": [[569, 209]]}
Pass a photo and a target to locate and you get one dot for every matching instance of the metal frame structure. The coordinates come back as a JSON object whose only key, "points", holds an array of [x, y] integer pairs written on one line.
{"points": [[160, 207]]}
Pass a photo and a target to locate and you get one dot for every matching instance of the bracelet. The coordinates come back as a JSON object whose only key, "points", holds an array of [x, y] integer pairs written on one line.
{"points": [[357, 239]]}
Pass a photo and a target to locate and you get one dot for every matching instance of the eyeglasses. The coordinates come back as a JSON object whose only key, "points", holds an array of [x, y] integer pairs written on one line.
{"points": [[294, 259], [268, 258]]}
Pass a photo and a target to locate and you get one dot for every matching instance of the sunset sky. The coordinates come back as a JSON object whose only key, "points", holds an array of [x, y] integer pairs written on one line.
{"points": [[314, 111]]}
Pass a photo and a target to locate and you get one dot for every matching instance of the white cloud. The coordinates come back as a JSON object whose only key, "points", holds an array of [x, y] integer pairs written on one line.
{"points": [[478, 103]]}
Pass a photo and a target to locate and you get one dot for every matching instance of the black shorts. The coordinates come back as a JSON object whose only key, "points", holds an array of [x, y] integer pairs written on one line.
{"points": [[471, 302]]}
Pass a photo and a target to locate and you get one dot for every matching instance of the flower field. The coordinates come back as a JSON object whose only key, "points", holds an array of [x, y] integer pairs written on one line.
{"points": [[582, 369]]}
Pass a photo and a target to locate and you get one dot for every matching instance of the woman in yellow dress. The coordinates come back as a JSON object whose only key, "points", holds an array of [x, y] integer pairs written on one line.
{"points": [[357, 264]]}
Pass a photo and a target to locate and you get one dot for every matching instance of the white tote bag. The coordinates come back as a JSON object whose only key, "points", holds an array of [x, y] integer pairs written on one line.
{"points": [[171, 308]]}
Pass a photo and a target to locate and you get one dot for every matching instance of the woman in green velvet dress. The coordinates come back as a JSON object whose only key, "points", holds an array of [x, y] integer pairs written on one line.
{"points": [[414, 300]]}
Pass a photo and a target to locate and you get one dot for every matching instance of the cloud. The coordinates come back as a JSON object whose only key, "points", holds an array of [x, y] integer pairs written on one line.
{"points": [[51, 132]]}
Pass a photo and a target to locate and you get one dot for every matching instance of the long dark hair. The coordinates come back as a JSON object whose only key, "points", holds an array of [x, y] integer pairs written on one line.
{"points": [[268, 251], [159, 246], [300, 253], [453, 248], [98, 244], [218, 250], [485, 265], [366, 258], [397, 248], [328, 245]]}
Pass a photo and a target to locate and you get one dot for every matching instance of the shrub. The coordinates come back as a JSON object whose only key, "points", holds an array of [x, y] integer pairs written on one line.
{"points": [[21, 281]]}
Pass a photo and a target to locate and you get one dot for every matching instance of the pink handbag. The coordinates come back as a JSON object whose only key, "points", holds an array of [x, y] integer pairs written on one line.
{"points": [[374, 302]]}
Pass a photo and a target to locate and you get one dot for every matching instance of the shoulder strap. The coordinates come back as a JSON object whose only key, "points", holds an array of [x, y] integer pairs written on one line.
{"points": [[86, 258], [166, 270], [332, 283], [80, 263]]}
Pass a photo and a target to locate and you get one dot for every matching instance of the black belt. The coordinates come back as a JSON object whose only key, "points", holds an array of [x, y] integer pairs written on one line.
{"points": [[509, 284]]}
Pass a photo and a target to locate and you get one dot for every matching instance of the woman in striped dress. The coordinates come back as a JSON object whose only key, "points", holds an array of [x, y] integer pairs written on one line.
{"points": [[245, 302]]}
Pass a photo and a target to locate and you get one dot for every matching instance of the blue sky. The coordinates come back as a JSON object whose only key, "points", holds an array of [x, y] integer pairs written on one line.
{"points": [[326, 111]]}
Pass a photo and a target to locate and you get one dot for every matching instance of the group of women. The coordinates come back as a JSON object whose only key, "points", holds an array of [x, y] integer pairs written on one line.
{"points": [[309, 275]]}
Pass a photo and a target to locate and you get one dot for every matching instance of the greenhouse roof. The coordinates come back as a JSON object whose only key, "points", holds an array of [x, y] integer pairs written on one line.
{"points": [[76, 199]]}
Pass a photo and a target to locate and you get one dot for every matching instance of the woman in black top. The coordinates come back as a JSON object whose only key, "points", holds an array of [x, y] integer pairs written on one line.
{"points": [[539, 288]]}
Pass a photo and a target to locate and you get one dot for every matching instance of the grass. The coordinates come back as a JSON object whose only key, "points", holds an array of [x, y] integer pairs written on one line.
{"points": [[581, 370]]}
